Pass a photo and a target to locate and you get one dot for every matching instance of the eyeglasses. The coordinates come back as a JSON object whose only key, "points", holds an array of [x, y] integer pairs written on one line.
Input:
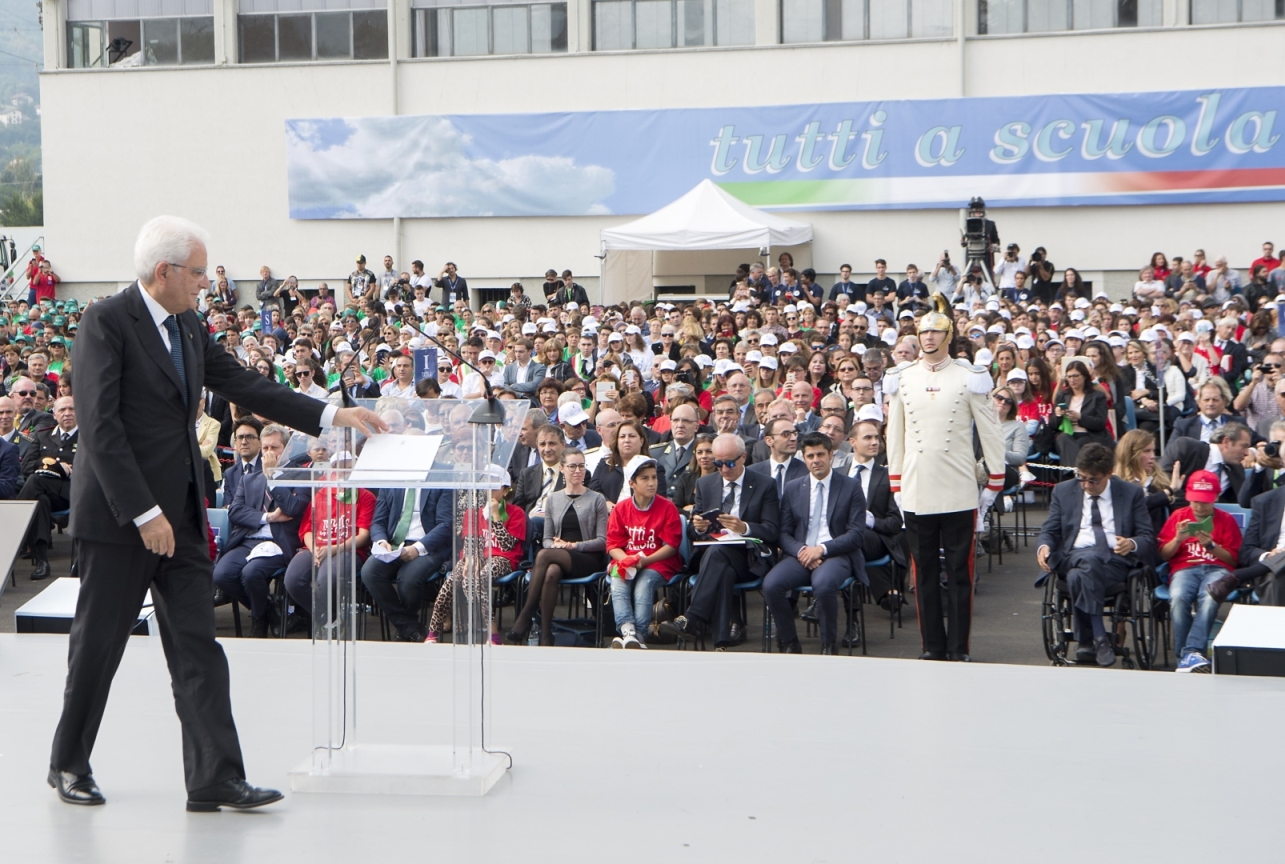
{"points": [[727, 463], [198, 272], [1087, 480], [574, 466], [871, 389], [247, 437]]}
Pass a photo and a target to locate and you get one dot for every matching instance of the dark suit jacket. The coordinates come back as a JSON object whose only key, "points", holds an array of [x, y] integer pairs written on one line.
{"points": [[138, 438], [34, 421], [592, 439], [218, 408], [887, 515], [674, 465], [526, 489], [1189, 427], [794, 469], [1193, 454], [609, 480], [246, 510], [234, 474], [1128, 506], [1239, 363], [845, 512], [1264, 526], [1257, 483], [760, 510], [10, 471], [1093, 414], [360, 391], [46, 444], [518, 460], [434, 517]]}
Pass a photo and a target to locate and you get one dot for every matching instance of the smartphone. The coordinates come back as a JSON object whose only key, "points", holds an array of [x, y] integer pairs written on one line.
{"points": [[603, 390], [711, 515]]}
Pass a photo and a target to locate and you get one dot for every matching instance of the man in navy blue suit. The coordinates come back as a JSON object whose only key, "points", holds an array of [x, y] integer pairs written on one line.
{"points": [[10, 470], [823, 516], [420, 530]]}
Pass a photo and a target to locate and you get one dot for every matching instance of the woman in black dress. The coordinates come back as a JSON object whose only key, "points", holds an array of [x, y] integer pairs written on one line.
{"points": [[575, 545]]}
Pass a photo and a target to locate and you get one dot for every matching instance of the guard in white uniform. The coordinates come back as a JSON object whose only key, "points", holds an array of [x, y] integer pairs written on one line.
{"points": [[936, 401]]}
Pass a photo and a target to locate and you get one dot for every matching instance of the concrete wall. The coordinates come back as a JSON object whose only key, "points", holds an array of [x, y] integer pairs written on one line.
{"points": [[208, 143]]}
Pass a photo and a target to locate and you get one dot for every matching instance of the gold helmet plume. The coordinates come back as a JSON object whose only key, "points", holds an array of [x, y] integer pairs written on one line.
{"points": [[939, 318]]}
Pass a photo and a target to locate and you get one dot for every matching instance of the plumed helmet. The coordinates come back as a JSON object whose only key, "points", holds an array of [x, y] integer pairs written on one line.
{"points": [[939, 318]]}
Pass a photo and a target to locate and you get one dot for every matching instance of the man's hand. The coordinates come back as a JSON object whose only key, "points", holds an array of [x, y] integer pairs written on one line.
{"points": [[363, 420], [731, 523], [276, 514], [701, 525], [1124, 546], [270, 459], [1042, 558], [158, 536], [409, 553], [811, 556]]}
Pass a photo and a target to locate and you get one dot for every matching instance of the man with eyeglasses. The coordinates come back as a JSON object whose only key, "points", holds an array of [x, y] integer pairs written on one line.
{"points": [[1097, 529], [782, 440], [245, 444], [744, 503], [675, 455]]}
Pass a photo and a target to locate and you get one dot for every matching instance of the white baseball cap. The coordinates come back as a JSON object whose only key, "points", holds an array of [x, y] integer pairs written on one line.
{"points": [[667, 365], [1016, 373], [869, 412], [528, 328], [768, 363], [572, 414], [753, 356], [789, 348], [767, 339]]}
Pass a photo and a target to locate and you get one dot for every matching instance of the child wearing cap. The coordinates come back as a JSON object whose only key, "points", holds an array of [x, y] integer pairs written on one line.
{"points": [[1202, 545], [643, 536]]}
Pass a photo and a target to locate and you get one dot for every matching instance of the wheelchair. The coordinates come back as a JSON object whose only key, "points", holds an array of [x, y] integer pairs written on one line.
{"points": [[1135, 616]]}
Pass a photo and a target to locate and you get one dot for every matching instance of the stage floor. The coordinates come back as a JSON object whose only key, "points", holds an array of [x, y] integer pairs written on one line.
{"points": [[680, 757]]}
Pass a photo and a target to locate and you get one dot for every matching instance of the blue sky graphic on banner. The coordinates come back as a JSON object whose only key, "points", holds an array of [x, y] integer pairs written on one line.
{"points": [[1176, 147]]}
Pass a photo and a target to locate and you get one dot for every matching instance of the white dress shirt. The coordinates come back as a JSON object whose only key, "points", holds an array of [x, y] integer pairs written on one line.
{"points": [[159, 314], [1084, 539], [1215, 464], [823, 531], [866, 468]]}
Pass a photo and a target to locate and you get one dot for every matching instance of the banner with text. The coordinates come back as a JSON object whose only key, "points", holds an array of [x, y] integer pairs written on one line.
{"points": [[1140, 148]]}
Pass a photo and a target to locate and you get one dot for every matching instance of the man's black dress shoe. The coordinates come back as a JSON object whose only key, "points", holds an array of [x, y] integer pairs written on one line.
{"points": [[683, 627], [933, 655], [829, 650], [958, 657], [41, 571], [75, 788], [810, 614], [1085, 653], [736, 634], [237, 794], [794, 647]]}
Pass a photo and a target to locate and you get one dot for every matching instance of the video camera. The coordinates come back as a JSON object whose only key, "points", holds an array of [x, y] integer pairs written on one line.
{"points": [[975, 240]]}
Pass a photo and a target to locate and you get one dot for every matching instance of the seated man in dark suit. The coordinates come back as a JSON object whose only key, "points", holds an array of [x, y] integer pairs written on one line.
{"points": [[1097, 529], [46, 479], [245, 443], [575, 425], [10, 471], [1264, 537], [884, 529], [260, 517], [534, 484], [1223, 455], [419, 526], [1269, 471], [748, 506], [823, 521], [779, 409], [1213, 399], [781, 464]]}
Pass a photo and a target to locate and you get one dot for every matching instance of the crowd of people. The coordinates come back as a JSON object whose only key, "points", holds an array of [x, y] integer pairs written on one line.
{"points": [[754, 424]]}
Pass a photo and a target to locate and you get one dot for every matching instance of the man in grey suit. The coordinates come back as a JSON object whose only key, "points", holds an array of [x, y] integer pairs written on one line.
{"points": [[1097, 530], [138, 510], [524, 375]]}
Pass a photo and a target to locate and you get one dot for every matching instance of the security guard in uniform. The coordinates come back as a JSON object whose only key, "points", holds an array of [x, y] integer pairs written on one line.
{"points": [[936, 401], [46, 473]]}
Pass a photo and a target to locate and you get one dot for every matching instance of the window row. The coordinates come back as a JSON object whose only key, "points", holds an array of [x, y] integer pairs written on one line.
{"points": [[843, 20], [313, 36], [146, 42], [624, 24], [471, 30]]}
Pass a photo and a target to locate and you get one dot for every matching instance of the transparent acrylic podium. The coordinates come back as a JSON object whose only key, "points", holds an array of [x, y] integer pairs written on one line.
{"points": [[345, 757]]}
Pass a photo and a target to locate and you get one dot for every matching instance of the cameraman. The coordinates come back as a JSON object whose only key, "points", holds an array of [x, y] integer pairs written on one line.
{"points": [[1269, 469], [1013, 263], [1257, 399], [945, 277]]}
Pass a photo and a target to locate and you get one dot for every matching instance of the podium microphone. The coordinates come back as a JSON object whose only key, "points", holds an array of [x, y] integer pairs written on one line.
{"points": [[348, 401], [492, 412]]}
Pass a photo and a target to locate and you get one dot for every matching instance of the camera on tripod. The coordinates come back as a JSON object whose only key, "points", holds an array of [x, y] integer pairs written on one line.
{"points": [[975, 239]]}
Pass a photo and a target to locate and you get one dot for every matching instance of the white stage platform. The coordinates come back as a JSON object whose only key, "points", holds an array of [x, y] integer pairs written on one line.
{"points": [[683, 757]]}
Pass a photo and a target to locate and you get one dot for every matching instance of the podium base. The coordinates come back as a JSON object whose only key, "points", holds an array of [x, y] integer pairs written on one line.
{"points": [[389, 769]]}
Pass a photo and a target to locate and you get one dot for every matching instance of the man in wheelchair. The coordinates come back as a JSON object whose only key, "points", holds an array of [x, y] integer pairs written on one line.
{"points": [[1201, 544], [1097, 531]]}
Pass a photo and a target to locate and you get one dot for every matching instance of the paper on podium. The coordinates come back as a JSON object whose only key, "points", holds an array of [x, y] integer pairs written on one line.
{"points": [[395, 458]]}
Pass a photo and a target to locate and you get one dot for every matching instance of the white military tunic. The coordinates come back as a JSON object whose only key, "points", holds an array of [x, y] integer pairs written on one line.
{"points": [[930, 440]]}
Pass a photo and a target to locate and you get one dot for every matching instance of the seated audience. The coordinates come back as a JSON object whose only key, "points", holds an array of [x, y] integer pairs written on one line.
{"points": [[46, 479], [418, 526]]}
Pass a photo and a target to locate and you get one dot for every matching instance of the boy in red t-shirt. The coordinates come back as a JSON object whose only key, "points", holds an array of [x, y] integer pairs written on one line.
{"points": [[643, 534], [1197, 558]]}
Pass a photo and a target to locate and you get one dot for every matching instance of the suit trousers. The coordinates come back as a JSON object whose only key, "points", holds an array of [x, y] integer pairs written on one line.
{"points": [[51, 494], [1269, 587], [114, 580], [1089, 579], [721, 568], [881, 578], [398, 587], [244, 581], [789, 574], [932, 536]]}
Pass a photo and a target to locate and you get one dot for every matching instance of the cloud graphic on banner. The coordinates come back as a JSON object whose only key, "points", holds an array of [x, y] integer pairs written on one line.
{"points": [[381, 167]]}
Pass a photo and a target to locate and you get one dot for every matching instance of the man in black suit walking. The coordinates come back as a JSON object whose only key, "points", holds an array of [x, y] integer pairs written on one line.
{"points": [[823, 519], [1223, 455], [138, 510], [1096, 529], [748, 506]]}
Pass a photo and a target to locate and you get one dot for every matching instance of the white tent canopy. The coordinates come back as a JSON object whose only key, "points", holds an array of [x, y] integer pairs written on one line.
{"points": [[707, 218]]}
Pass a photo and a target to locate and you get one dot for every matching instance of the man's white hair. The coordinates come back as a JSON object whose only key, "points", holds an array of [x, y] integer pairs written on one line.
{"points": [[166, 239]]}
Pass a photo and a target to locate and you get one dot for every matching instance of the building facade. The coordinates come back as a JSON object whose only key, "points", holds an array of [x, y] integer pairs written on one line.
{"points": [[179, 106]]}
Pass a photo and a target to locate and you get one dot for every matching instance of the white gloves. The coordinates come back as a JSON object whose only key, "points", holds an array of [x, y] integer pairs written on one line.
{"points": [[985, 500]]}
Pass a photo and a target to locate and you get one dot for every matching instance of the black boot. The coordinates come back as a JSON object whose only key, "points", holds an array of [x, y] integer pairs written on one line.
{"points": [[259, 628]]}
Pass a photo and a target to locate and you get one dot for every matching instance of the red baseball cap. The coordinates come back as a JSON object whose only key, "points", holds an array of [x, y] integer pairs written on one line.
{"points": [[1203, 487]]}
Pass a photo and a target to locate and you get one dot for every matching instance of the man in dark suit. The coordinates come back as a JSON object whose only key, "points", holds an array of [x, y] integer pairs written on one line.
{"points": [[46, 479], [1096, 530], [357, 384], [781, 465], [536, 483], [1213, 402], [884, 531], [1268, 472], [138, 510], [424, 544], [10, 471], [245, 444], [748, 506], [524, 374], [1222, 455], [258, 515], [525, 453], [575, 425], [676, 454], [218, 408], [1262, 539], [1235, 354], [30, 419], [822, 532]]}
